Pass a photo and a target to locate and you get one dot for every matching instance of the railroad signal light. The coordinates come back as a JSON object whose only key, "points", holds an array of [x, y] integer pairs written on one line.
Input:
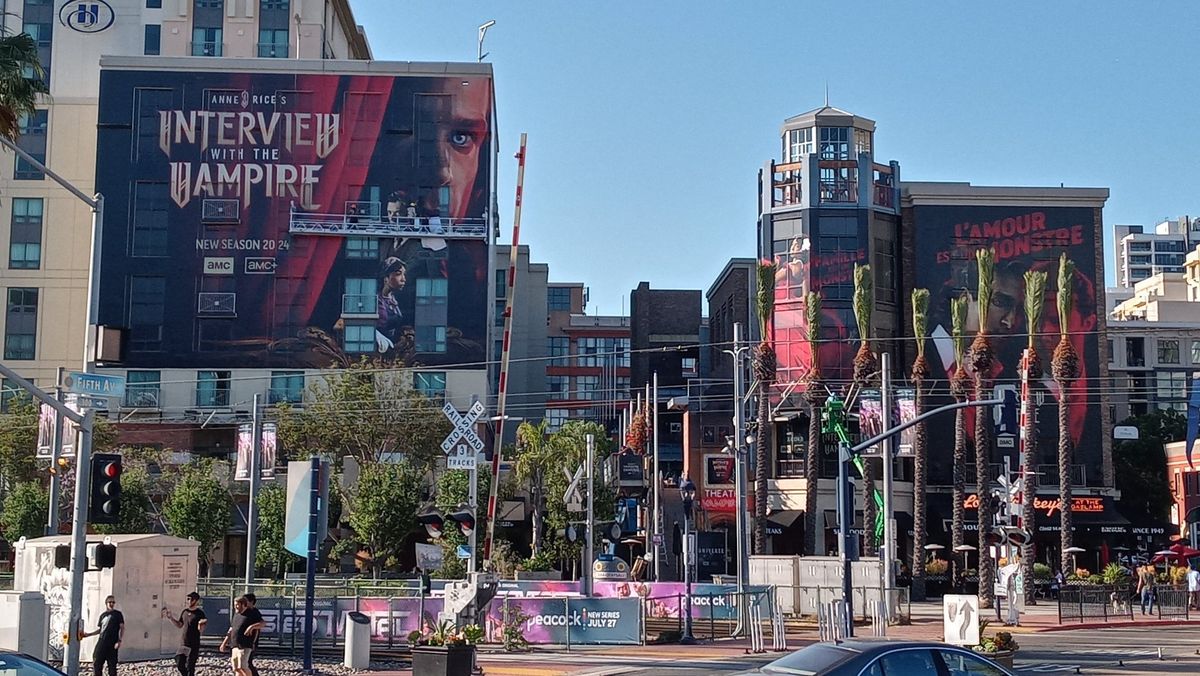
{"points": [[105, 507]]}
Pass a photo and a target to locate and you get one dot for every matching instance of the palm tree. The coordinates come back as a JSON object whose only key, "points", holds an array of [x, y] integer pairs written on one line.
{"points": [[18, 93], [864, 372], [980, 357], [1035, 301], [958, 387], [920, 371], [814, 392], [533, 459], [764, 372], [1064, 366]]}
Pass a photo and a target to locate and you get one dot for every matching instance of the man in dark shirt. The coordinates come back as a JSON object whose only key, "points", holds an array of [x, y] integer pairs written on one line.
{"points": [[241, 635], [255, 616], [192, 621], [111, 629]]}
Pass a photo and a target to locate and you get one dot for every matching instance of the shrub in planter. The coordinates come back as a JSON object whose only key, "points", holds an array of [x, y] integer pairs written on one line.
{"points": [[446, 651], [937, 567], [1042, 572], [1116, 574]]}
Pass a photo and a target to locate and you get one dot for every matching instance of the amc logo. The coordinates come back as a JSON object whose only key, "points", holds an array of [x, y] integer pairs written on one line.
{"points": [[218, 266], [260, 266], [86, 16]]}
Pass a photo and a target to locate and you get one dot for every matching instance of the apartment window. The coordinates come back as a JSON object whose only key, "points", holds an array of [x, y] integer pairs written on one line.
{"points": [[33, 141], [147, 304], [1140, 260], [212, 388], [431, 385], [1168, 351], [1135, 351], [688, 365], [555, 417], [885, 270], [362, 248], [286, 387], [558, 387], [1168, 259], [431, 339], [558, 299], [800, 144], [587, 388], [38, 22], [153, 4], [274, 5], [560, 347], [152, 42], [359, 338], [622, 386], [1110, 350], [1171, 385], [207, 41], [25, 238], [360, 296], [1196, 352], [273, 43], [862, 141], [498, 318], [1176, 245], [20, 328], [587, 351], [1139, 246], [149, 219], [1138, 274], [142, 389], [502, 284]]}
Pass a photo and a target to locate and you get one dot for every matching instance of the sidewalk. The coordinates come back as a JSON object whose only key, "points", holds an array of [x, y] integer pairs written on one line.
{"points": [[927, 621]]}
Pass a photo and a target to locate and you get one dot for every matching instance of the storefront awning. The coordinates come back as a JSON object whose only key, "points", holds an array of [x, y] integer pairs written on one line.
{"points": [[1090, 514], [778, 522]]}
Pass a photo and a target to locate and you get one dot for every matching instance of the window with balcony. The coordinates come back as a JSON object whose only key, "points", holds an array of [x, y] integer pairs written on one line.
{"points": [[1174, 245], [1135, 351], [25, 235], [38, 22], [360, 298], [273, 43], [431, 385], [1196, 352], [862, 142], [142, 389], [834, 143], [365, 248], [502, 284], [1139, 246], [799, 144], [33, 141], [212, 388], [20, 327], [1168, 351], [558, 298], [689, 367], [207, 42], [1171, 385], [287, 387]]}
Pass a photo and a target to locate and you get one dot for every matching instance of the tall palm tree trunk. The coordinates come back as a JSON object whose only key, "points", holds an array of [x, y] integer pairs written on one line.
{"points": [[764, 372], [1035, 300], [864, 372], [920, 371], [815, 394], [958, 387], [1065, 369], [981, 359]]}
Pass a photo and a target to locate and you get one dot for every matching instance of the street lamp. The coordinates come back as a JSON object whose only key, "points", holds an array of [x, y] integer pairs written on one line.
{"points": [[687, 491]]}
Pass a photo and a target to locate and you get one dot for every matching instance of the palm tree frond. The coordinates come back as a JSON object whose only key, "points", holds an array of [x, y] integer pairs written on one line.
{"points": [[764, 299], [1066, 293], [958, 326], [1035, 301], [986, 259], [863, 300], [920, 308]]}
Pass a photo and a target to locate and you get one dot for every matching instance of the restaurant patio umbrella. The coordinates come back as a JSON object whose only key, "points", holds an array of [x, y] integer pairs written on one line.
{"points": [[1073, 551], [933, 549], [1178, 552]]}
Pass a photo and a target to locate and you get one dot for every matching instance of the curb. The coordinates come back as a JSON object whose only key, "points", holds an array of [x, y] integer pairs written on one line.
{"points": [[1115, 625]]}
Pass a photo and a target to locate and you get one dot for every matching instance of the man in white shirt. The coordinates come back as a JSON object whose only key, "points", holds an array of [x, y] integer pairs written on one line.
{"points": [[1193, 583]]}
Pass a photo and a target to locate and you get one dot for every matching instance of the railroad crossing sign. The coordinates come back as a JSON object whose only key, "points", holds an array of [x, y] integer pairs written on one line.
{"points": [[574, 497], [462, 445]]}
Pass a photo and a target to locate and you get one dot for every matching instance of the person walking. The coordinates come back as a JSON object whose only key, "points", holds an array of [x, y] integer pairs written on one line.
{"points": [[1193, 583], [240, 637], [111, 630], [1145, 587], [192, 621], [255, 616]]}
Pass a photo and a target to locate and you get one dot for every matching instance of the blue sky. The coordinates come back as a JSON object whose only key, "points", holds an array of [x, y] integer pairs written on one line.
{"points": [[649, 121]]}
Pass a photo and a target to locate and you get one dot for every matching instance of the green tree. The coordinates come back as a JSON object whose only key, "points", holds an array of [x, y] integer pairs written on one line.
{"points": [[198, 506], [865, 370], [1035, 301], [24, 512], [365, 411], [1140, 465], [814, 394], [18, 93], [533, 458], [764, 373], [980, 359], [135, 504], [18, 441], [272, 511], [1064, 366], [570, 446], [383, 508]]}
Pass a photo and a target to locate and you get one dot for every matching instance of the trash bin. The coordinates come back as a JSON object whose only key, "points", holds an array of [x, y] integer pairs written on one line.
{"points": [[358, 641]]}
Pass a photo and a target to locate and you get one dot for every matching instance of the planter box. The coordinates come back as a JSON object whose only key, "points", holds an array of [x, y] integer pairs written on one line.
{"points": [[455, 660], [1003, 658]]}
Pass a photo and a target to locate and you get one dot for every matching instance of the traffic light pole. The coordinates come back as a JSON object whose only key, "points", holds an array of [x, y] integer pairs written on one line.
{"points": [[590, 540], [55, 454], [255, 481]]}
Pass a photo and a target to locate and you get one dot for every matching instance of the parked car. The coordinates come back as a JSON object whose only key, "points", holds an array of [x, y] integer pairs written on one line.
{"points": [[881, 657], [17, 664]]}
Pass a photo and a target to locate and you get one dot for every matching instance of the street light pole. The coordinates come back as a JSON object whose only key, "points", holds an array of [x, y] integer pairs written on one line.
{"points": [[590, 540], [889, 532], [687, 491], [739, 398], [656, 528]]}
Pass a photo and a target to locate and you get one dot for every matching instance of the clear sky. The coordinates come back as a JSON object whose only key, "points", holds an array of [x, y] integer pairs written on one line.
{"points": [[648, 121]]}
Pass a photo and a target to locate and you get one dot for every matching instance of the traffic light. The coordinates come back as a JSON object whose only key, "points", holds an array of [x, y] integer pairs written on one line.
{"points": [[426, 584], [465, 518], [994, 536], [609, 530], [106, 556], [433, 522], [105, 506], [62, 556]]}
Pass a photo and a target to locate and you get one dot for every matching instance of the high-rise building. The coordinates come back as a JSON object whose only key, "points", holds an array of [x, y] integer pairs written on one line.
{"points": [[1140, 254], [47, 229]]}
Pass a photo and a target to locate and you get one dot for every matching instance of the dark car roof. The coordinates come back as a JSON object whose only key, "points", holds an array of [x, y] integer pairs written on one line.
{"points": [[855, 651], [869, 646]]}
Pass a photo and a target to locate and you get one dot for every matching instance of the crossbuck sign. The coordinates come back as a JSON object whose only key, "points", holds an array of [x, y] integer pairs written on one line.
{"points": [[462, 445]]}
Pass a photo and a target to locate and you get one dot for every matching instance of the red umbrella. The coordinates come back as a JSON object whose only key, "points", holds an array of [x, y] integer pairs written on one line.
{"points": [[1180, 553]]}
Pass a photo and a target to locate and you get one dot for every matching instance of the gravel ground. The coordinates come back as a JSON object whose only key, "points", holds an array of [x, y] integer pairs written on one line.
{"points": [[218, 665]]}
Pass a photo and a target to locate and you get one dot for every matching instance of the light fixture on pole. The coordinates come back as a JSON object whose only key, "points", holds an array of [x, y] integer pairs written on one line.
{"points": [[687, 491], [482, 32]]}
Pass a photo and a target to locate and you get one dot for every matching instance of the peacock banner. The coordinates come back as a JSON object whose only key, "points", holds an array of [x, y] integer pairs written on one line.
{"points": [[295, 219]]}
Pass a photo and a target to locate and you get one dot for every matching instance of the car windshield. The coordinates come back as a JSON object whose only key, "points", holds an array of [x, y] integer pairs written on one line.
{"points": [[19, 665], [814, 659]]}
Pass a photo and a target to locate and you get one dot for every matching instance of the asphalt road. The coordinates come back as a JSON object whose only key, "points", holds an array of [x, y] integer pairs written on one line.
{"points": [[1103, 651]]}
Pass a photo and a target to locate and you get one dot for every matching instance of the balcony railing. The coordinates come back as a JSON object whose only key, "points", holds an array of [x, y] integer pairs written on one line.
{"points": [[270, 50], [372, 224], [1047, 475], [360, 304], [207, 49], [789, 468]]}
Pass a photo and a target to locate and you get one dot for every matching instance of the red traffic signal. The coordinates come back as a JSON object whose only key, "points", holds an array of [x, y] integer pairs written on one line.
{"points": [[433, 522], [112, 470], [465, 518], [105, 503]]}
